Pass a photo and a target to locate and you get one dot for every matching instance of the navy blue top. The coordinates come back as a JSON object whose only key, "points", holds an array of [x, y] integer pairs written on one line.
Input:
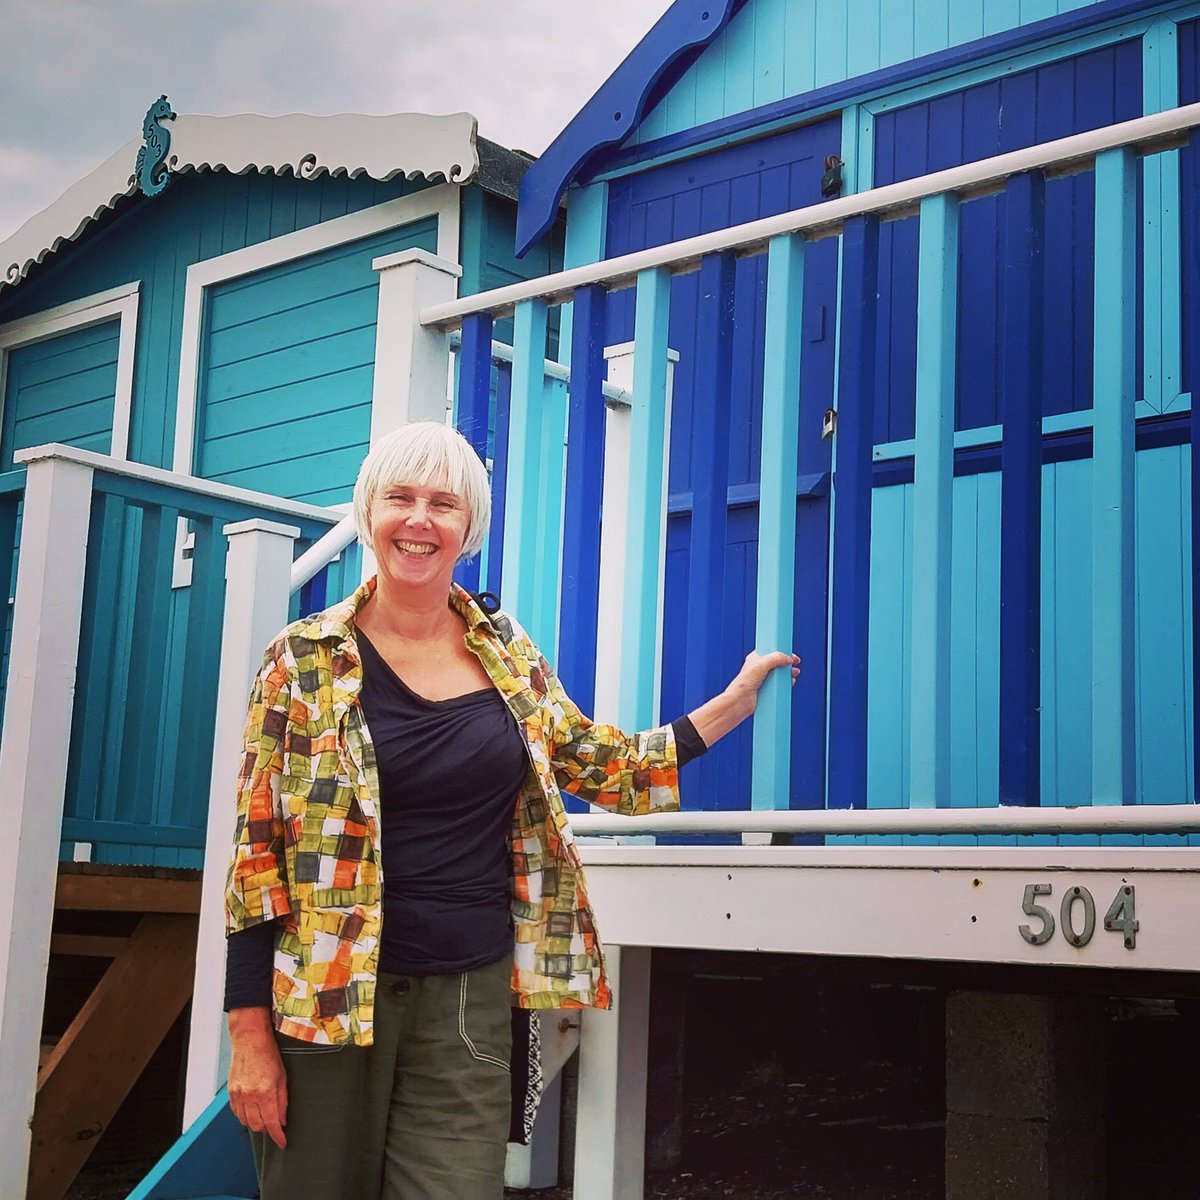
{"points": [[449, 775]]}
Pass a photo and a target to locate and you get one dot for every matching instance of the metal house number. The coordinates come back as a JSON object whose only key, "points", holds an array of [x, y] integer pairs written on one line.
{"points": [[1077, 915]]}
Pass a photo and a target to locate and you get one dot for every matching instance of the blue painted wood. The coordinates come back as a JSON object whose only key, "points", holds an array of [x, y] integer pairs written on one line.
{"points": [[211, 1159], [495, 548], [1021, 504], [703, 673], [679, 200], [987, 118], [932, 502], [1113, 727], [832, 88], [643, 548], [549, 515], [525, 469], [852, 516], [290, 350], [613, 111], [771, 773], [584, 489], [1189, 169], [473, 407]]}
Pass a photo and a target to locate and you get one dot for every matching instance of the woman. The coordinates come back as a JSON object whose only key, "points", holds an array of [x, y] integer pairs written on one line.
{"points": [[406, 751]]}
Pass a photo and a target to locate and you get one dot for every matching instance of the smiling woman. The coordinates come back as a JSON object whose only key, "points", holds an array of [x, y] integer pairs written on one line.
{"points": [[412, 727]]}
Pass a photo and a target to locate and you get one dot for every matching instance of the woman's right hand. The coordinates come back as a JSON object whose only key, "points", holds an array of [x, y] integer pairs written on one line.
{"points": [[257, 1081]]}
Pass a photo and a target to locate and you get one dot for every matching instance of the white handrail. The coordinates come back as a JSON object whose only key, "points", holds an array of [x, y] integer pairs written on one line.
{"points": [[1155, 132], [1130, 818], [323, 551]]}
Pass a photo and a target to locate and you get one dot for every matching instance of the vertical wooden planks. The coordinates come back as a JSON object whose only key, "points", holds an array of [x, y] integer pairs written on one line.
{"points": [[524, 474], [495, 548], [770, 776], [1113, 688], [644, 529], [579, 604], [937, 313], [1021, 492], [544, 614], [474, 402], [851, 580], [710, 471]]}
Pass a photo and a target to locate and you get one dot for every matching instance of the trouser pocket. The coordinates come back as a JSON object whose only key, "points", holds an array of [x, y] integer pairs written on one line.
{"points": [[484, 1013]]}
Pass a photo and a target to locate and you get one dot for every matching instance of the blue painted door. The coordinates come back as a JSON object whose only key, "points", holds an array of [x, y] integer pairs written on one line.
{"points": [[1052, 101], [680, 200], [285, 385], [59, 390], [1189, 93]]}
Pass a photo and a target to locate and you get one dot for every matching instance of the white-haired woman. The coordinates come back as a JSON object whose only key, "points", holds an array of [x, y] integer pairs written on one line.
{"points": [[403, 876]]}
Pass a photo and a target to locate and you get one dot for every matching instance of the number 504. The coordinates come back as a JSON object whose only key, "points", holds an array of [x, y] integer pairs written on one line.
{"points": [[1077, 915]]}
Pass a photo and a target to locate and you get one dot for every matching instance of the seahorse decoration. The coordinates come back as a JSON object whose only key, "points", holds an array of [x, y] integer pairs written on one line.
{"points": [[152, 174]]}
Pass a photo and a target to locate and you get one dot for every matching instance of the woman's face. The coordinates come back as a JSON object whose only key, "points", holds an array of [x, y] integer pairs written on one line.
{"points": [[417, 533]]}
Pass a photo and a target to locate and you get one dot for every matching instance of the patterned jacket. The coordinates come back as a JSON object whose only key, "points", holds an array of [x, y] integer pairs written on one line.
{"points": [[306, 846]]}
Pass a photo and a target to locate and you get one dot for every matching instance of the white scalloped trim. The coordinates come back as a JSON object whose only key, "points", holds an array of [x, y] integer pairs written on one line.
{"points": [[409, 144]]}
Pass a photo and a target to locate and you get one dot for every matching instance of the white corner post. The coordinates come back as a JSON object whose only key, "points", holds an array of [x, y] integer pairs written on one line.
{"points": [[258, 569], [618, 430], [33, 775], [610, 1137], [412, 361]]}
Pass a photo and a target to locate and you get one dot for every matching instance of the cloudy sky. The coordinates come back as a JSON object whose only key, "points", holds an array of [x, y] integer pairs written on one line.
{"points": [[79, 74]]}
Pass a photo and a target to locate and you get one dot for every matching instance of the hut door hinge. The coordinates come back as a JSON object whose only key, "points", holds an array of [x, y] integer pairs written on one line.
{"points": [[829, 423]]}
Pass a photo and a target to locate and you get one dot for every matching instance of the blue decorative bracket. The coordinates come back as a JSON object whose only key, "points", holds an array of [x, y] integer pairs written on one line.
{"points": [[151, 171]]}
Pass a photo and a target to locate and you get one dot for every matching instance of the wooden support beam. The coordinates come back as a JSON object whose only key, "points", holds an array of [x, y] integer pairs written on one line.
{"points": [[127, 893], [87, 945], [106, 1048]]}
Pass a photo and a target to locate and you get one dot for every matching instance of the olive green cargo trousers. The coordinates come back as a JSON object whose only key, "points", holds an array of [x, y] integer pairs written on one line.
{"points": [[420, 1115]]}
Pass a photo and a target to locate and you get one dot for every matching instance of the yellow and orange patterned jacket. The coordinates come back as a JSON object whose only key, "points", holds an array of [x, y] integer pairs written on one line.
{"points": [[306, 847]]}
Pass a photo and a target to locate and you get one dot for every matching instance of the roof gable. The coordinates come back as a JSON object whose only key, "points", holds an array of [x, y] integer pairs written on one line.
{"points": [[609, 117], [408, 144]]}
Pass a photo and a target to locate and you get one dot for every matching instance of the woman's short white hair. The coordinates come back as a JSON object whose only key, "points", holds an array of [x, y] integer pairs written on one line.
{"points": [[426, 454]]}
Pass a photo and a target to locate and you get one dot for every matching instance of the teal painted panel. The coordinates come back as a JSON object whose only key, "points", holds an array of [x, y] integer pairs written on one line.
{"points": [[285, 390], [1162, 648], [823, 43], [198, 217]]}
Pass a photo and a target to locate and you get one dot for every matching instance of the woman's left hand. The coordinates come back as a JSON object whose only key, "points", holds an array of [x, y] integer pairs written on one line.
{"points": [[754, 672]]}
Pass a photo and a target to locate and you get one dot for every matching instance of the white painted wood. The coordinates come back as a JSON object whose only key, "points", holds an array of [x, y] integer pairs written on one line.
{"points": [[409, 144], [610, 1137], [944, 903], [412, 363], [824, 219], [120, 304], [257, 590], [190, 483], [442, 202], [1130, 818], [502, 352], [323, 551], [33, 766]]}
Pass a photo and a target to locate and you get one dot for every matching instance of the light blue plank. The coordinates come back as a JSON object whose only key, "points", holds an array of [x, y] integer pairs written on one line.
{"points": [[799, 63], [521, 571], [740, 65], [937, 300], [931, 26], [643, 534], [550, 515], [862, 36], [1113, 730], [773, 623], [770, 40], [1161, 294]]}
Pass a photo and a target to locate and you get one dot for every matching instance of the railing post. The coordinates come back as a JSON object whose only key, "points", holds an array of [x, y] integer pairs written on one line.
{"points": [[851, 581], [775, 617], [474, 403], [582, 501], [257, 589], [33, 770], [610, 1139], [1021, 492], [640, 662], [933, 482], [1113, 685], [412, 361]]}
